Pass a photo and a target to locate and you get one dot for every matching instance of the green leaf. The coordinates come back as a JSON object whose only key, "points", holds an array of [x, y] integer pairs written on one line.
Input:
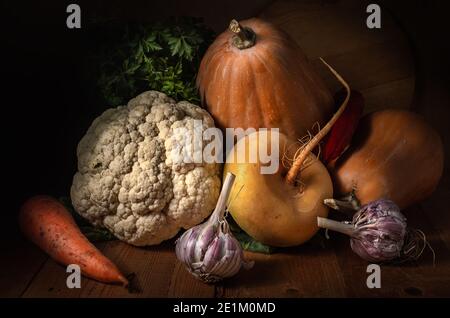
{"points": [[175, 47], [250, 244], [150, 44], [247, 242], [127, 60]]}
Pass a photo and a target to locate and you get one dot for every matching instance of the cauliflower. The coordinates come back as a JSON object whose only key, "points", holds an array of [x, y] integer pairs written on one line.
{"points": [[128, 180]]}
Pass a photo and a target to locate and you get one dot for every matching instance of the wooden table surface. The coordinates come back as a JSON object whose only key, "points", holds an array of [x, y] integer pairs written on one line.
{"points": [[320, 268]]}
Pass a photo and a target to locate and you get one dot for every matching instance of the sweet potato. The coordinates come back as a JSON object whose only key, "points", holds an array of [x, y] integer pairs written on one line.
{"points": [[48, 224]]}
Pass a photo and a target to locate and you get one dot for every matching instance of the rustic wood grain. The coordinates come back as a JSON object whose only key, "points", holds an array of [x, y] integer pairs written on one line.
{"points": [[393, 94], [306, 271], [320, 268], [184, 285], [51, 282], [328, 269], [20, 263], [360, 73], [156, 271], [152, 268]]}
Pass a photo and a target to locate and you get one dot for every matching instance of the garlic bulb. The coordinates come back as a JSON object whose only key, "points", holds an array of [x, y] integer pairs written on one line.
{"points": [[380, 231], [377, 231], [209, 250]]}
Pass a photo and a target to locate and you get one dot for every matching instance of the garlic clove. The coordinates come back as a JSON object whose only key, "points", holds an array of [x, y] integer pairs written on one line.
{"points": [[188, 249], [204, 239], [213, 254], [228, 266], [233, 254]]}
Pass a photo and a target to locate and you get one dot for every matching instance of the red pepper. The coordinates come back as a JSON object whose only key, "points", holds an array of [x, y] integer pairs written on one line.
{"points": [[340, 135]]}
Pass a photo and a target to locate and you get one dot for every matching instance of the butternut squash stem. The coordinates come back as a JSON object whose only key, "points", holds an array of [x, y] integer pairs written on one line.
{"points": [[297, 165], [349, 203], [339, 205], [244, 37], [336, 226]]}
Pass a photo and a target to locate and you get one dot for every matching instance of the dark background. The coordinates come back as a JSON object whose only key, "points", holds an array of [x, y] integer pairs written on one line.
{"points": [[46, 109]]}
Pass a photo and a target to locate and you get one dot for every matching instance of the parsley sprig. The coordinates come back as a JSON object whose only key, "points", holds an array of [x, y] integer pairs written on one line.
{"points": [[163, 56]]}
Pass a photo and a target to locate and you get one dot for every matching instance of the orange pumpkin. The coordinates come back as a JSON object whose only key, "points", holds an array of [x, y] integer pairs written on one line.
{"points": [[254, 75]]}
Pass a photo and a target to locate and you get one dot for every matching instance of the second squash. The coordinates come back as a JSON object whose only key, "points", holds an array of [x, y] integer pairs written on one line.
{"points": [[254, 75]]}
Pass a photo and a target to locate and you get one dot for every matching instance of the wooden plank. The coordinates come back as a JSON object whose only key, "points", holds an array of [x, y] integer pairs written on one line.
{"points": [[437, 211], [153, 270], [376, 61], [419, 278], [20, 262], [184, 285], [432, 279], [330, 27], [305, 271], [396, 94], [157, 274], [361, 72], [51, 282]]}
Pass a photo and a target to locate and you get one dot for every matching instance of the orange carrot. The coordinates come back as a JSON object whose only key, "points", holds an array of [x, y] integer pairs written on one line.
{"points": [[48, 224]]}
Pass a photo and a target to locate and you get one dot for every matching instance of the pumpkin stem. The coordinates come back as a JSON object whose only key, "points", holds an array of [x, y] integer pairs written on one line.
{"points": [[243, 37], [297, 165]]}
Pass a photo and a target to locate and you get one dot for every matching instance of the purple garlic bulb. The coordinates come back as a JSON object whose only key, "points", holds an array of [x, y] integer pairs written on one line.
{"points": [[377, 231], [210, 251], [380, 230]]}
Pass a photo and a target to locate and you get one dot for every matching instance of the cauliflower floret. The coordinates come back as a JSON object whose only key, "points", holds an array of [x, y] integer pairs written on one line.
{"points": [[128, 178]]}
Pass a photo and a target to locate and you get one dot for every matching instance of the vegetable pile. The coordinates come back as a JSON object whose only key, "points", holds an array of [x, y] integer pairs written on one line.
{"points": [[280, 209], [131, 183]]}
